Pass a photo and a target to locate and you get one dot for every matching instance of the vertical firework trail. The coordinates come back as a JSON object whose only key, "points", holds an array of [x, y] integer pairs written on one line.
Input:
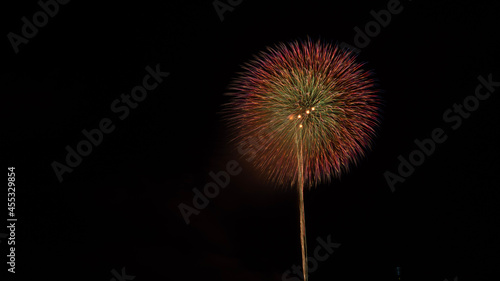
{"points": [[314, 109], [300, 189]]}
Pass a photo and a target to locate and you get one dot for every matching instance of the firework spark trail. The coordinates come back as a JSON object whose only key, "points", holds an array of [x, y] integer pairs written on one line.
{"points": [[302, 218], [315, 110]]}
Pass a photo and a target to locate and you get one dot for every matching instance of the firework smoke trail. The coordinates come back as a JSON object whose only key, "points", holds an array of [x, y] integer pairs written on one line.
{"points": [[314, 110]]}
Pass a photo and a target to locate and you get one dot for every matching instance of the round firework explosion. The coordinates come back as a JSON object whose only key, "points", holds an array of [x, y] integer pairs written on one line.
{"points": [[303, 109]]}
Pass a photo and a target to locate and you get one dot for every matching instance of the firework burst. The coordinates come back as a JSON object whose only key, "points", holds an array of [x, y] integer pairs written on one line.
{"points": [[312, 93], [314, 111]]}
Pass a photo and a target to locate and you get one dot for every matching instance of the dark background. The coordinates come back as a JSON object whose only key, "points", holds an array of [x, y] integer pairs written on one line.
{"points": [[119, 208]]}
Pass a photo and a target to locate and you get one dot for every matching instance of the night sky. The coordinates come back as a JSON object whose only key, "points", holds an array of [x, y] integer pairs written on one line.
{"points": [[118, 208]]}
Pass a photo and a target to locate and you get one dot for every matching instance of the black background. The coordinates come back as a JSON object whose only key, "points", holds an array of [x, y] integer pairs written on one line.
{"points": [[119, 207]]}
